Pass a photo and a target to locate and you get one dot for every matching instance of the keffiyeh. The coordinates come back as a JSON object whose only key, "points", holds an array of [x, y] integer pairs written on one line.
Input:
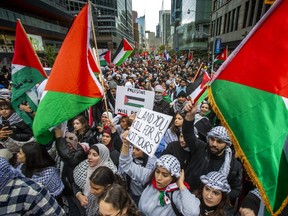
{"points": [[216, 181], [170, 163], [221, 133]]}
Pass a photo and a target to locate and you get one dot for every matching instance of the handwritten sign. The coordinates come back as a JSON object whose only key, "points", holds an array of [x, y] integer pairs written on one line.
{"points": [[130, 100], [148, 129]]}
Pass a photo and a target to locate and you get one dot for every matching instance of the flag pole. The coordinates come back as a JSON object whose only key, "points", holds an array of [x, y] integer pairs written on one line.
{"points": [[197, 72], [97, 57]]}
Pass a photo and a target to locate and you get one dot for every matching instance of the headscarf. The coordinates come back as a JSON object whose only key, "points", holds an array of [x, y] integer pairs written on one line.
{"points": [[7, 172], [221, 133], [170, 163], [104, 156], [216, 180]]}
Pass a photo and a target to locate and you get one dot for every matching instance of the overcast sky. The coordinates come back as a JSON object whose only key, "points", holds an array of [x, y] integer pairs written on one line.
{"points": [[151, 10]]}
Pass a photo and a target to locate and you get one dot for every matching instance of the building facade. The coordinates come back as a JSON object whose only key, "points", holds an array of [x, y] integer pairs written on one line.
{"points": [[45, 21], [232, 20], [113, 20], [165, 25]]}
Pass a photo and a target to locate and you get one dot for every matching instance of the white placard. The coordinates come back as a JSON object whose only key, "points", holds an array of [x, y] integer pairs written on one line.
{"points": [[148, 129], [131, 100]]}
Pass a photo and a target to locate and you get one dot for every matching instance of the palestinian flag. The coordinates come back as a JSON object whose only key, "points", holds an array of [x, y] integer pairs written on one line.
{"points": [[202, 86], [250, 95], [92, 62], [190, 58], [221, 57], [72, 86], [105, 58], [27, 71], [134, 101], [122, 53]]}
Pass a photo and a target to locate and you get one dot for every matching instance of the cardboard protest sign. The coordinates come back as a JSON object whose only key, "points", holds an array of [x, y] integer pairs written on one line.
{"points": [[148, 129], [130, 100]]}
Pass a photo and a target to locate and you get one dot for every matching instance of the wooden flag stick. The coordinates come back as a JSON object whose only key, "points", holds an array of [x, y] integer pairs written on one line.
{"points": [[97, 57], [196, 75]]}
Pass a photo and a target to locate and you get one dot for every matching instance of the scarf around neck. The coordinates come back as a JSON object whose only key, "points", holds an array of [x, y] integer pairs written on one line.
{"points": [[163, 198]]}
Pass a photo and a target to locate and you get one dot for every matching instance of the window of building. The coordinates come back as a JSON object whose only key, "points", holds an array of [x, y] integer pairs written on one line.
{"points": [[237, 18], [252, 13], [229, 21], [233, 20], [246, 9], [225, 23], [259, 10]]}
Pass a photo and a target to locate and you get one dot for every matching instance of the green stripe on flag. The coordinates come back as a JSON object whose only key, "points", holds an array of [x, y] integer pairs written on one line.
{"points": [[259, 123], [124, 57], [57, 109], [134, 105]]}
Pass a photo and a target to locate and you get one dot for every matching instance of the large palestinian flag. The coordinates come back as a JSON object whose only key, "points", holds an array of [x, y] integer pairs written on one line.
{"points": [[122, 53], [250, 96], [72, 87], [27, 71]]}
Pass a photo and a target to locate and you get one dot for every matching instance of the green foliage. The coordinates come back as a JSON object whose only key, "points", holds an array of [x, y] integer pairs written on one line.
{"points": [[50, 55]]}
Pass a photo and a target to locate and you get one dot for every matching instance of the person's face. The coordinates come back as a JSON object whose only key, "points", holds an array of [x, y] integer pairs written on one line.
{"points": [[113, 92], [163, 177], [183, 83], [204, 109], [77, 125], [107, 209], [123, 124], [178, 120], [182, 141], [106, 138], [216, 146], [137, 153], [131, 80], [5, 112], [96, 190], [211, 197], [104, 118], [93, 158], [181, 100], [21, 158]]}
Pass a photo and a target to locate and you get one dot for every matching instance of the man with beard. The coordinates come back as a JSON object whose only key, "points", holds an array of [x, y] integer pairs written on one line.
{"points": [[216, 155]]}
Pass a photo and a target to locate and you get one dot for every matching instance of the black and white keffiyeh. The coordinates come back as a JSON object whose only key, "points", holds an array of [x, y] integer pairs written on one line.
{"points": [[216, 180], [221, 133], [170, 163]]}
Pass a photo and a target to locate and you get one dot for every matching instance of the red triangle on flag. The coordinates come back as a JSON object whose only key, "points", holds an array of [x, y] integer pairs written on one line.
{"points": [[24, 53], [126, 45], [71, 72]]}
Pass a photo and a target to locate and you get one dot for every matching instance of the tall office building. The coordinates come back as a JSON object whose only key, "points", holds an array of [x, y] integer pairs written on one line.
{"points": [[232, 20], [165, 25], [46, 22], [112, 20]]}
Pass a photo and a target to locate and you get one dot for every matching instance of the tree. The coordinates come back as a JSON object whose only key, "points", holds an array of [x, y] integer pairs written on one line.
{"points": [[49, 55]]}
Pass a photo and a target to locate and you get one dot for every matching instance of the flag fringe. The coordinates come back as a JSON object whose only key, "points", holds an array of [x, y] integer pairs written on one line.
{"points": [[243, 157]]}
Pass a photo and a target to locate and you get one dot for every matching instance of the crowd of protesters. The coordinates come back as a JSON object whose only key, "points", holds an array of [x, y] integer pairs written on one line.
{"points": [[92, 169]]}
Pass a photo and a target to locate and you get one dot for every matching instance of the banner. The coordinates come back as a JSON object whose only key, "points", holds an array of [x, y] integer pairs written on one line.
{"points": [[148, 129], [130, 100]]}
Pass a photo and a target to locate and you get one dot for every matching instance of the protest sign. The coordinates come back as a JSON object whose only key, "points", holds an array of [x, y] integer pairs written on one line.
{"points": [[148, 129], [130, 100]]}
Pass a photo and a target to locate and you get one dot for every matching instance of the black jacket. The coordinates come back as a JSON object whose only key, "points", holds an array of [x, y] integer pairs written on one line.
{"points": [[203, 162], [21, 131], [162, 107]]}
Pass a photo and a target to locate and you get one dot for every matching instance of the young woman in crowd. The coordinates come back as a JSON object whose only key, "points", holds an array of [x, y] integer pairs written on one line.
{"points": [[141, 159], [100, 180], [116, 201], [172, 133], [17, 128], [165, 193], [37, 164], [98, 156], [213, 195], [180, 150], [82, 130], [202, 122]]}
